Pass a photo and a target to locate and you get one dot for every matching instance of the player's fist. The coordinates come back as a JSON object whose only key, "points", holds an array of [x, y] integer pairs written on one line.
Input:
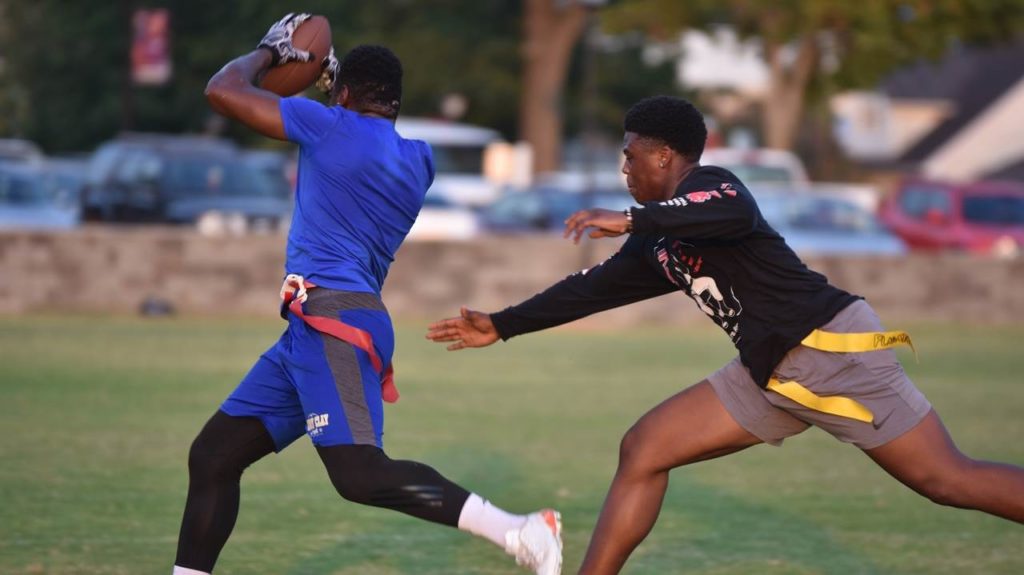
{"points": [[278, 40]]}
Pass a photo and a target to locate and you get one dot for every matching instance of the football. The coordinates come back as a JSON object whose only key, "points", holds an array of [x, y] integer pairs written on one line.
{"points": [[313, 35]]}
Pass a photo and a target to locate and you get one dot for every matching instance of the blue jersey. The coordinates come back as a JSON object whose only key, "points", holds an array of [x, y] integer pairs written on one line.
{"points": [[360, 188]]}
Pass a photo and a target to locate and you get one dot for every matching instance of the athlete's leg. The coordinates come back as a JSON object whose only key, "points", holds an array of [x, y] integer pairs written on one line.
{"points": [[364, 474], [340, 389], [222, 450], [262, 415], [926, 460], [690, 426]]}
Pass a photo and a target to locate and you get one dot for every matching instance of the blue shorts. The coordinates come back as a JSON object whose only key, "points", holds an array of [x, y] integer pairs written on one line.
{"points": [[316, 384]]}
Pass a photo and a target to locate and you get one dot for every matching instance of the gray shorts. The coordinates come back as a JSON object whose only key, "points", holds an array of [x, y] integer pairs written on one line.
{"points": [[873, 378]]}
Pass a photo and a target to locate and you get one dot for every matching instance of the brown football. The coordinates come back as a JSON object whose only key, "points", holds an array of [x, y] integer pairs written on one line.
{"points": [[289, 79]]}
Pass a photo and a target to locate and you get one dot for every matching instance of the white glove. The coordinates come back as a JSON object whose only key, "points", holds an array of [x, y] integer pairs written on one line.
{"points": [[278, 40]]}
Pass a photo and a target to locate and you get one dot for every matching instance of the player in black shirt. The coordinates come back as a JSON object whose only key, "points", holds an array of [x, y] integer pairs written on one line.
{"points": [[809, 353]]}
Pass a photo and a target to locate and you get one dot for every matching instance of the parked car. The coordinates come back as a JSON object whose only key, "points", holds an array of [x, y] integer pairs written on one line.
{"points": [[69, 174], [814, 224], [440, 219], [277, 164], [459, 151], [181, 179], [979, 217], [33, 198], [759, 166], [15, 151], [767, 170], [545, 207]]}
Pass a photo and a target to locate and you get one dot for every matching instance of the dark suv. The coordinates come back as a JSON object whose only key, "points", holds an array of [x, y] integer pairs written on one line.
{"points": [[179, 179]]}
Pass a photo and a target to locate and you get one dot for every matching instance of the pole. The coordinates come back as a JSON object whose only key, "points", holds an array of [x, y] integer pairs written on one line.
{"points": [[588, 124]]}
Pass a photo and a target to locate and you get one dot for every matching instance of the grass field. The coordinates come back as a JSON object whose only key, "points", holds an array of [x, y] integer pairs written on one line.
{"points": [[98, 414]]}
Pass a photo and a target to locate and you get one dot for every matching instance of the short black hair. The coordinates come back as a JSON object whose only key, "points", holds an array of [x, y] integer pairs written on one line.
{"points": [[373, 75], [674, 121]]}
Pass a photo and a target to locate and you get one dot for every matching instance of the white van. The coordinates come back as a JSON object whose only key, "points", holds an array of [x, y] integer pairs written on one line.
{"points": [[766, 170], [754, 166], [460, 153]]}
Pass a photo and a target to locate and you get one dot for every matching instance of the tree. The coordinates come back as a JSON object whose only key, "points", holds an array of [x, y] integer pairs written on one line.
{"points": [[550, 32], [63, 81], [859, 41]]}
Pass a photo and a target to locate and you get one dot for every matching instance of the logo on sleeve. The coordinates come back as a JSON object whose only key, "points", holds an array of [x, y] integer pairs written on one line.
{"points": [[701, 196]]}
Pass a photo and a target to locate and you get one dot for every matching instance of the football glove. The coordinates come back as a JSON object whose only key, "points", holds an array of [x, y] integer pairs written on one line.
{"points": [[329, 76], [278, 40]]}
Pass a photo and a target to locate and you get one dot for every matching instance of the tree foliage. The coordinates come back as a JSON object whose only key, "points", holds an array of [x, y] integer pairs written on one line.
{"points": [[64, 73], [836, 42], [66, 63]]}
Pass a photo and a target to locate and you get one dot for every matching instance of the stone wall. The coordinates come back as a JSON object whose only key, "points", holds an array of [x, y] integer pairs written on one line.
{"points": [[116, 270]]}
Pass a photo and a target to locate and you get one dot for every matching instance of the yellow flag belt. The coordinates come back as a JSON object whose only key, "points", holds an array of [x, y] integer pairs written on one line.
{"points": [[839, 343]]}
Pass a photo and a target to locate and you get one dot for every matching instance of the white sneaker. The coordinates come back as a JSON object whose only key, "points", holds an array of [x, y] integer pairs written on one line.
{"points": [[537, 545]]}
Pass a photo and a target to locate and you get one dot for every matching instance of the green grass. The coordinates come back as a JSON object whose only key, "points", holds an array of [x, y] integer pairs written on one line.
{"points": [[96, 416]]}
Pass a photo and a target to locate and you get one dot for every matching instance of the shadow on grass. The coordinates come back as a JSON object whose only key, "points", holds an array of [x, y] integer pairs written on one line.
{"points": [[703, 529]]}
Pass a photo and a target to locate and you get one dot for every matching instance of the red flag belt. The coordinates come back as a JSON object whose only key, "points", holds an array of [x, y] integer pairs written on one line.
{"points": [[349, 334]]}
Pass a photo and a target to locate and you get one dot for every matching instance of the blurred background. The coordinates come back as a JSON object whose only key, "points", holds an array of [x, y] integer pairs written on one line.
{"points": [[142, 246], [877, 130]]}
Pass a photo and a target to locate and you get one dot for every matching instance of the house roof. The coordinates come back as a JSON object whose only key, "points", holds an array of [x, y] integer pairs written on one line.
{"points": [[970, 78], [1011, 172]]}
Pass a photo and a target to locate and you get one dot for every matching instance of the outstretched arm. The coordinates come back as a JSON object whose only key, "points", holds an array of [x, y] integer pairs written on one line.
{"points": [[602, 223], [470, 329], [706, 206], [622, 279]]}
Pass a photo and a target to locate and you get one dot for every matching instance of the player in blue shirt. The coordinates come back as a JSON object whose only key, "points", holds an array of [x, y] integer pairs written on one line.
{"points": [[360, 188]]}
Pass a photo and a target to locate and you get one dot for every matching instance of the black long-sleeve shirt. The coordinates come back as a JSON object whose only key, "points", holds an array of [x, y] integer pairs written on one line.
{"points": [[711, 242]]}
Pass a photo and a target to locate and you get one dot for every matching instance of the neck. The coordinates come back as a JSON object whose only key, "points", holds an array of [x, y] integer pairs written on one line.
{"points": [[371, 110], [677, 178], [375, 111]]}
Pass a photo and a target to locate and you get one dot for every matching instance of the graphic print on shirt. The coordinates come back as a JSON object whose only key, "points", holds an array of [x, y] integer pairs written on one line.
{"points": [[701, 196], [724, 308]]}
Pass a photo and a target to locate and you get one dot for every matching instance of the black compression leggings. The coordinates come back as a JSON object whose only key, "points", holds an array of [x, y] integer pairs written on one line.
{"points": [[360, 473]]}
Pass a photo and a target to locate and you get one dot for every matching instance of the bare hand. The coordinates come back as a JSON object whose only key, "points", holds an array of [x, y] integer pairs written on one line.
{"points": [[470, 329], [602, 224]]}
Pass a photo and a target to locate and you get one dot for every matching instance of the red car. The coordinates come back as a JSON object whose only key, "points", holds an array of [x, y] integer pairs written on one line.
{"points": [[978, 217]]}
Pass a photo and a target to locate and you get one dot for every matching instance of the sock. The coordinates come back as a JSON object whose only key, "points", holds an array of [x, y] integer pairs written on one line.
{"points": [[187, 571], [481, 518]]}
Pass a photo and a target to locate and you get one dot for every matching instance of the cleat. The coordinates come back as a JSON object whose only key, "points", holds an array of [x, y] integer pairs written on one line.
{"points": [[537, 545]]}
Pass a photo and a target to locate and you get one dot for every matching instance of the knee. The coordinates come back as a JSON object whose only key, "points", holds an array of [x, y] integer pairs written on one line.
{"points": [[353, 470], [944, 488], [205, 464], [633, 449], [941, 491], [353, 486]]}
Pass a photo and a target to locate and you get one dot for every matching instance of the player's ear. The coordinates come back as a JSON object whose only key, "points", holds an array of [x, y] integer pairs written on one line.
{"points": [[664, 156], [341, 97]]}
